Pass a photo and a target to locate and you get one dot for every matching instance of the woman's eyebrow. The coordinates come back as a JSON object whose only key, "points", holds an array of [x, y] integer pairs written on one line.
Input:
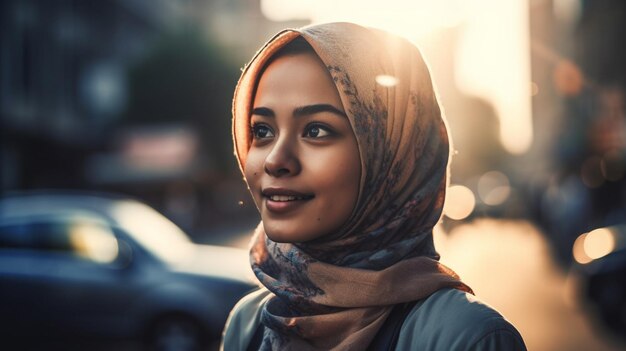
{"points": [[301, 111], [263, 111], [312, 109]]}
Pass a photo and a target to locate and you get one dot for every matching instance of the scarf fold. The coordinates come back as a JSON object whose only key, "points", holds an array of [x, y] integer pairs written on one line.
{"points": [[335, 292]]}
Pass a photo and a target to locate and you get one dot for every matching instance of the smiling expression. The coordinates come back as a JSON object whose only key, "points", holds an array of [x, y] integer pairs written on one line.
{"points": [[303, 166]]}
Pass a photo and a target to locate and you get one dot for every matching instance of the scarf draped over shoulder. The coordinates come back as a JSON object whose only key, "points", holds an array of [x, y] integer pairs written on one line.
{"points": [[334, 293]]}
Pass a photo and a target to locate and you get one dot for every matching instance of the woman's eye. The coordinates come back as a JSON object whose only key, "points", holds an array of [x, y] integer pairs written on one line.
{"points": [[316, 131], [260, 131]]}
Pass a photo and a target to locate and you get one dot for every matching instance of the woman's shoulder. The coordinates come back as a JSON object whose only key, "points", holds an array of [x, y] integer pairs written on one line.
{"points": [[451, 319], [243, 320]]}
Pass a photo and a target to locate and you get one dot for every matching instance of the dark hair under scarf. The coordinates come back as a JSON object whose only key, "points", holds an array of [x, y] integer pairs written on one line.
{"points": [[335, 292]]}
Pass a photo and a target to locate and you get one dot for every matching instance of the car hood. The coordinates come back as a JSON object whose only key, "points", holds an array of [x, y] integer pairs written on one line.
{"points": [[217, 261]]}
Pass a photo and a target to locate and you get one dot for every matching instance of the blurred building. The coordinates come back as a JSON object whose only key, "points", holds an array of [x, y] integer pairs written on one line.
{"points": [[80, 107], [63, 81]]}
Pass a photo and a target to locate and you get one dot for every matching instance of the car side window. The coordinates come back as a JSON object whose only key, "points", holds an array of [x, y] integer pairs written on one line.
{"points": [[35, 235], [74, 236]]}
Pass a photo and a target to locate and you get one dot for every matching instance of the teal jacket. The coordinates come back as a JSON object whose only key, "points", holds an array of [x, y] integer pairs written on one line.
{"points": [[447, 320]]}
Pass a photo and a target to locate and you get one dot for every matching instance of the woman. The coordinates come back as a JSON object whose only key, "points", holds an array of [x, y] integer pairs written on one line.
{"points": [[340, 138]]}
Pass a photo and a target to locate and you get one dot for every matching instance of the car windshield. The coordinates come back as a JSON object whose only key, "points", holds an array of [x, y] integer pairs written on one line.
{"points": [[152, 230]]}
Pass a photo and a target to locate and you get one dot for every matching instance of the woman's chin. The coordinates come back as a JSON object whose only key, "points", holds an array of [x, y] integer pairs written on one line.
{"points": [[278, 232], [285, 233], [280, 237]]}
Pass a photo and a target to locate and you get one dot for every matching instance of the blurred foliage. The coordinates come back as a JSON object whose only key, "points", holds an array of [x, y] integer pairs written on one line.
{"points": [[185, 79]]}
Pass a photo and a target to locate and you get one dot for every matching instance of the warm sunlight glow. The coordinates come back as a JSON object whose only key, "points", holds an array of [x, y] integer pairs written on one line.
{"points": [[492, 55], [286, 10], [460, 202], [409, 18], [493, 62]]}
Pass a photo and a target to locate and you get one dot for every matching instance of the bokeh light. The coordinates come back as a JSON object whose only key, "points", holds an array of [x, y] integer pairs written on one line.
{"points": [[568, 79], [593, 245], [599, 243], [386, 80], [494, 188], [460, 202], [534, 89]]}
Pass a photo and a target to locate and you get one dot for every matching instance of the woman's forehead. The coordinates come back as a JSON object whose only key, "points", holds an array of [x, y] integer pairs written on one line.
{"points": [[296, 80]]}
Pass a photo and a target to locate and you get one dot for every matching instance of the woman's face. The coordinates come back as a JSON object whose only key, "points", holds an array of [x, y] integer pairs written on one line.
{"points": [[303, 166]]}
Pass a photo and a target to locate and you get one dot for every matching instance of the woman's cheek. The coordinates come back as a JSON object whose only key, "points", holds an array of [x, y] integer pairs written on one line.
{"points": [[252, 171]]}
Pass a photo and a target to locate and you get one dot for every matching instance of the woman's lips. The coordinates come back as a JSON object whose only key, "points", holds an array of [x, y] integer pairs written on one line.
{"points": [[280, 200]]}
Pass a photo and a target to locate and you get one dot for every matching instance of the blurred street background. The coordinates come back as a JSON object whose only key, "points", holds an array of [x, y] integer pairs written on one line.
{"points": [[133, 97]]}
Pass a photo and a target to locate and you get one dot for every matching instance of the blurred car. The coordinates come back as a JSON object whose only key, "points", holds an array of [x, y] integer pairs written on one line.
{"points": [[76, 267], [601, 264]]}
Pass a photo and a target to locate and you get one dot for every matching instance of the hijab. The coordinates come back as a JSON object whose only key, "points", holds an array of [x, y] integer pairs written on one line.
{"points": [[335, 292]]}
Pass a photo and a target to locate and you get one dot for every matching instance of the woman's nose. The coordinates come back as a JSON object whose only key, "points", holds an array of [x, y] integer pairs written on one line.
{"points": [[282, 161]]}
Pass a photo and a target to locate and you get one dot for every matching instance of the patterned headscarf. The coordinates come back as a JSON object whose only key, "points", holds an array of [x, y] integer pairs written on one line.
{"points": [[335, 292]]}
